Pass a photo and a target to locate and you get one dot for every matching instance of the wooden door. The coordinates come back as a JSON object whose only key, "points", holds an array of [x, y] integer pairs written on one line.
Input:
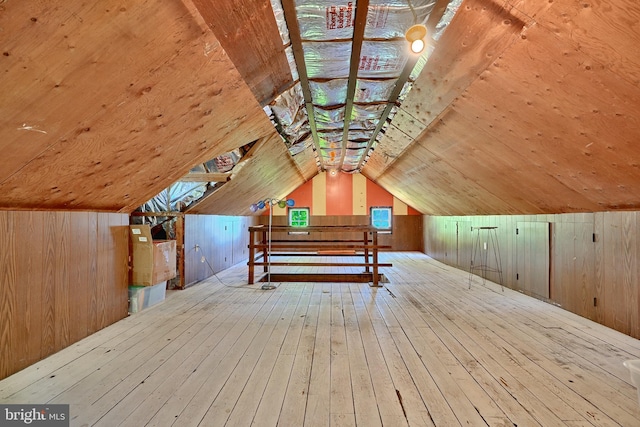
{"points": [[450, 243], [573, 270], [226, 251], [532, 265], [240, 241]]}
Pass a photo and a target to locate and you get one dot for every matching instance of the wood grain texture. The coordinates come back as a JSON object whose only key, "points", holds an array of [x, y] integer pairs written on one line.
{"points": [[605, 32], [393, 143], [428, 179], [306, 163], [103, 266], [498, 114], [599, 263], [592, 260], [268, 174], [22, 315], [468, 140], [92, 321], [119, 237], [49, 243], [537, 258], [217, 248], [8, 304], [585, 296], [53, 291], [563, 266], [524, 107], [102, 147], [621, 291], [460, 56], [79, 284], [248, 32], [30, 232], [63, 297], [406, 233], [376, 164], [424, 350], [564, 140], [535, 116]]}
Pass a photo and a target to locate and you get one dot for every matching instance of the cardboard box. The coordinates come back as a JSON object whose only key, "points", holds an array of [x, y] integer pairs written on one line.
{"points": [[141, 297], [141, 255], [151, 261], [164, 260]]}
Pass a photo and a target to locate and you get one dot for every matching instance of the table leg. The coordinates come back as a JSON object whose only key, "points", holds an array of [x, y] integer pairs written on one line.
{"points": [[252, 256], [375, 258], [366, 251]]}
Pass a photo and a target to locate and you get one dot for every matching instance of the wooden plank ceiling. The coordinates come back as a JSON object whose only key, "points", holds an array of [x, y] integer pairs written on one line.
{"points": [[523, 107], [104, 105]]}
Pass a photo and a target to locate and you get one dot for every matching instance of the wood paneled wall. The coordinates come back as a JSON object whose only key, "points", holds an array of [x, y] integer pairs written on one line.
{"points": [[589, 260], [406, 235], [213, 243], [63, 276]]}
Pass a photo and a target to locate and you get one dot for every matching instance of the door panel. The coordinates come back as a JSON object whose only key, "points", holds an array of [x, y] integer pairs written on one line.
{"points": [[532, 247]]}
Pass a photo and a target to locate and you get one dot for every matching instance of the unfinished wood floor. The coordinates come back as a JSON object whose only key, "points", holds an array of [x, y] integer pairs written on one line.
{"points": [[423, 350]]}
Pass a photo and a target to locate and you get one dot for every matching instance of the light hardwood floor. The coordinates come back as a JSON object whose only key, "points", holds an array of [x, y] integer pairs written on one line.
{"points": [[423, 350]]}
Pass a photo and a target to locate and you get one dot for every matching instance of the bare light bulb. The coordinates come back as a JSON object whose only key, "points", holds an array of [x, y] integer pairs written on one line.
{"points": [[417, 46], [415, 35]]}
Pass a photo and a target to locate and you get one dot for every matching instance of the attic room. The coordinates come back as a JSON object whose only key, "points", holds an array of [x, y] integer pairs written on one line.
{"points": [[497, 139]]}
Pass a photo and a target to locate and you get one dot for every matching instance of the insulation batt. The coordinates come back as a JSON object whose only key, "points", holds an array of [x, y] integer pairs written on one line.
{"points": [[326, 30]]}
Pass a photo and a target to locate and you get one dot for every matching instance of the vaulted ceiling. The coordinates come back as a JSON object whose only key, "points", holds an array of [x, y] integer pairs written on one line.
{"points": [[522, 106]]}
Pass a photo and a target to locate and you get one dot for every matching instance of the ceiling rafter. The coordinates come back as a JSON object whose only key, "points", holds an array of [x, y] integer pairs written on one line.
{"points": [[344, 131], [206, 177], [223, 178], [290, 16], [362, 9], [436, 14], [404, 77], [439, 8]]}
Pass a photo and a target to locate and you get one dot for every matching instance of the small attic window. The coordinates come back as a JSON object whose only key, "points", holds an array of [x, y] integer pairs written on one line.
{"points": [[381, 217], [298, 217]]}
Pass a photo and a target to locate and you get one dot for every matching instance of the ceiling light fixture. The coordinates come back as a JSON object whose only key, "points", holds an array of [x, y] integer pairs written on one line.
{"points": [[415, 36]]}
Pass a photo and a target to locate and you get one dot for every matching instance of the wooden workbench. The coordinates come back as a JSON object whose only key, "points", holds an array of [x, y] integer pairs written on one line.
{"points": [[360, 241]]}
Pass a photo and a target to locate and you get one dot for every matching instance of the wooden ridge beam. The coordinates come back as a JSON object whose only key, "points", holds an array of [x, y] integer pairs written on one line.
{"points": [[206, 177]]}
